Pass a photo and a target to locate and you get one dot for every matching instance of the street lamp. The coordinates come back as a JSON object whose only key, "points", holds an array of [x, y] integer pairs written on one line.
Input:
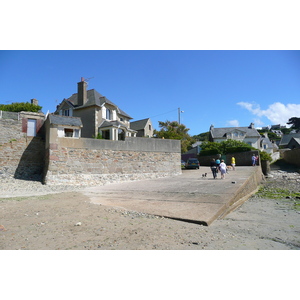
{"points": [[179, 112]]}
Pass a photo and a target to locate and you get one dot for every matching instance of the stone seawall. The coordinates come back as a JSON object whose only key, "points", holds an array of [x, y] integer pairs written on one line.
{"points": [[96, 162]]}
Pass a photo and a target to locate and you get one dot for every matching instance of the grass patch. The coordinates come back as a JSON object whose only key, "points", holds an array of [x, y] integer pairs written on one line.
{"points": [[280, 194], [265, 192]]}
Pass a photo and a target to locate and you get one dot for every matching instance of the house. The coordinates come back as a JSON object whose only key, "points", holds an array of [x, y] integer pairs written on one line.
{"points": [[247, 135], [99, 115], [294, 143], [64, 126], [143, 127], [286, 138], [267, 145], [192, 153]]}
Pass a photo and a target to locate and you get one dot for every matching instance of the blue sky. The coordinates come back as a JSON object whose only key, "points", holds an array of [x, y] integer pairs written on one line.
{"points": [[224, 88]]}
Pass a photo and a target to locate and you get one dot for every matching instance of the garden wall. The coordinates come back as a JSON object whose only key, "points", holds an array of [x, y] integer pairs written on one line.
{"points": [[241, 158]]}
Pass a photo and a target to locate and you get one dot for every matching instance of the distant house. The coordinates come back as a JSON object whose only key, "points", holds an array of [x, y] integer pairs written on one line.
{"points": [[98, 114], [143, 127], [248, 135], [267, 145], [286, 138], [192, 153]]}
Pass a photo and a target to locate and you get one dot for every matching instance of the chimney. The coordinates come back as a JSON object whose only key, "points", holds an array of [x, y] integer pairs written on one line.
{"points": [[34, 102], [251, 125], [82, 94]]}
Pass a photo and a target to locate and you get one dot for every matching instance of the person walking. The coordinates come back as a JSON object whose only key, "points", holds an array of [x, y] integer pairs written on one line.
{"points": [[218, 163], [253, 160], [233, 163], [214, 168], [223, 169]]}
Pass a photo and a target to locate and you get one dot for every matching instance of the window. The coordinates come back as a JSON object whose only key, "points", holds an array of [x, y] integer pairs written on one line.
{"points": [[66, 112], [108, 114], [149, 127], [76, 133], [68, 132]]}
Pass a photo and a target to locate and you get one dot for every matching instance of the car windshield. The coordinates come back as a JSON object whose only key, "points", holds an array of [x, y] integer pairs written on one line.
{"points": [[193, 160]]}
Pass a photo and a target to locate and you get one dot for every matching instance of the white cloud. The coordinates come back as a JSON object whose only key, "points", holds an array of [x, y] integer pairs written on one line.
{"points": [[277, 112], [233, 123]]}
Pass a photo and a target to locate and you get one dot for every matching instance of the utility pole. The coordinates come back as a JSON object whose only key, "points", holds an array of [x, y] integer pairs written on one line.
{"points": [[179, 112]]}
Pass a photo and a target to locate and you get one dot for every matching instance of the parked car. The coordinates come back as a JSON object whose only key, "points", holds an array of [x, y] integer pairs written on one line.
{"points": [[192, 163]]}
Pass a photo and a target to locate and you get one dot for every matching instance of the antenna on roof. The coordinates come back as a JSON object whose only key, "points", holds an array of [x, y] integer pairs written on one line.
{"points": [[86, 80]]}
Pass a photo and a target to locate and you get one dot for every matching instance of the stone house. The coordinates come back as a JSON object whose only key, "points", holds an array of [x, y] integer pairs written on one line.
{"points": [[62, 126], [294, 143], [98, 114], [247, 135], [267, 145], [286, 138], [143, 127]]}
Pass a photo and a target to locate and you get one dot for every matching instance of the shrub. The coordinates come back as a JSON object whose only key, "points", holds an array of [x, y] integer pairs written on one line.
{"points": [[20, 106], [265, 156]]}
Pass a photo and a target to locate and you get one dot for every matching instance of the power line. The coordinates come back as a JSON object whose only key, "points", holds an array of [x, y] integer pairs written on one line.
{"points": [[163, 113]]}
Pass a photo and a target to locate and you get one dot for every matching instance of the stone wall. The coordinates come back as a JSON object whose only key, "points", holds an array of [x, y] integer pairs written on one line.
{"points": [[292, 156], [89, 161], [83, 161], [20, 156]]}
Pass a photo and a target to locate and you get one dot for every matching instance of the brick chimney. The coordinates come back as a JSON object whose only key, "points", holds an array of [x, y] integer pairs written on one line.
{"points": [[34, 101], [82, 93]]}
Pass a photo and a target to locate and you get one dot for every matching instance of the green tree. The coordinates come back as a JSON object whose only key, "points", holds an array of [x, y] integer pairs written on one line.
{"points": [[201, 136], [20, 106], [295, 122], [174, 130], [225, 147]]}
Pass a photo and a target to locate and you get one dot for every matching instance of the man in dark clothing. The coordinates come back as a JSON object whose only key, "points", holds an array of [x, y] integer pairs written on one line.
{"points": [[214, 168]]}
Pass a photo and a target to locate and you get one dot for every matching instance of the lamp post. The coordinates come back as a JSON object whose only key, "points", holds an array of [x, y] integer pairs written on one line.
{"points": [[179, 112]]}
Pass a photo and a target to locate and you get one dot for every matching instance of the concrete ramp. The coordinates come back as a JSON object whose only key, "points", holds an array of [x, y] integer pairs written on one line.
{"points": [[189, 197]]}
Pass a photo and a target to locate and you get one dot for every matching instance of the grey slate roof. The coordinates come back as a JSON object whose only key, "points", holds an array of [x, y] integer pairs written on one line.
{"points": [[221, 132], [66, 121], [95, 98], [138, 125], [287, 137], [111, 123]]}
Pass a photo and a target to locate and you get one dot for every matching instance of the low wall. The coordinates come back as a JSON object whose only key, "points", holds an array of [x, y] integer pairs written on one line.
{"points": [[292, 156], [96, 162]]}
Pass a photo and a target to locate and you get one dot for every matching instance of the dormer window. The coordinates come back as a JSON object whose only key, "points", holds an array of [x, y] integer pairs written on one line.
{"points": [[66, 112], [108, 114]]}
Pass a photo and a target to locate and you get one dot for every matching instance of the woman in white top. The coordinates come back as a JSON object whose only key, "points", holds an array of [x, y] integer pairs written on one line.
{"points": [[223, 168]]}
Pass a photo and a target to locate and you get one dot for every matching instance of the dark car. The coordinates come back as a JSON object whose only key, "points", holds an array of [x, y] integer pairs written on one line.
{"points": [[192, 163]]}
